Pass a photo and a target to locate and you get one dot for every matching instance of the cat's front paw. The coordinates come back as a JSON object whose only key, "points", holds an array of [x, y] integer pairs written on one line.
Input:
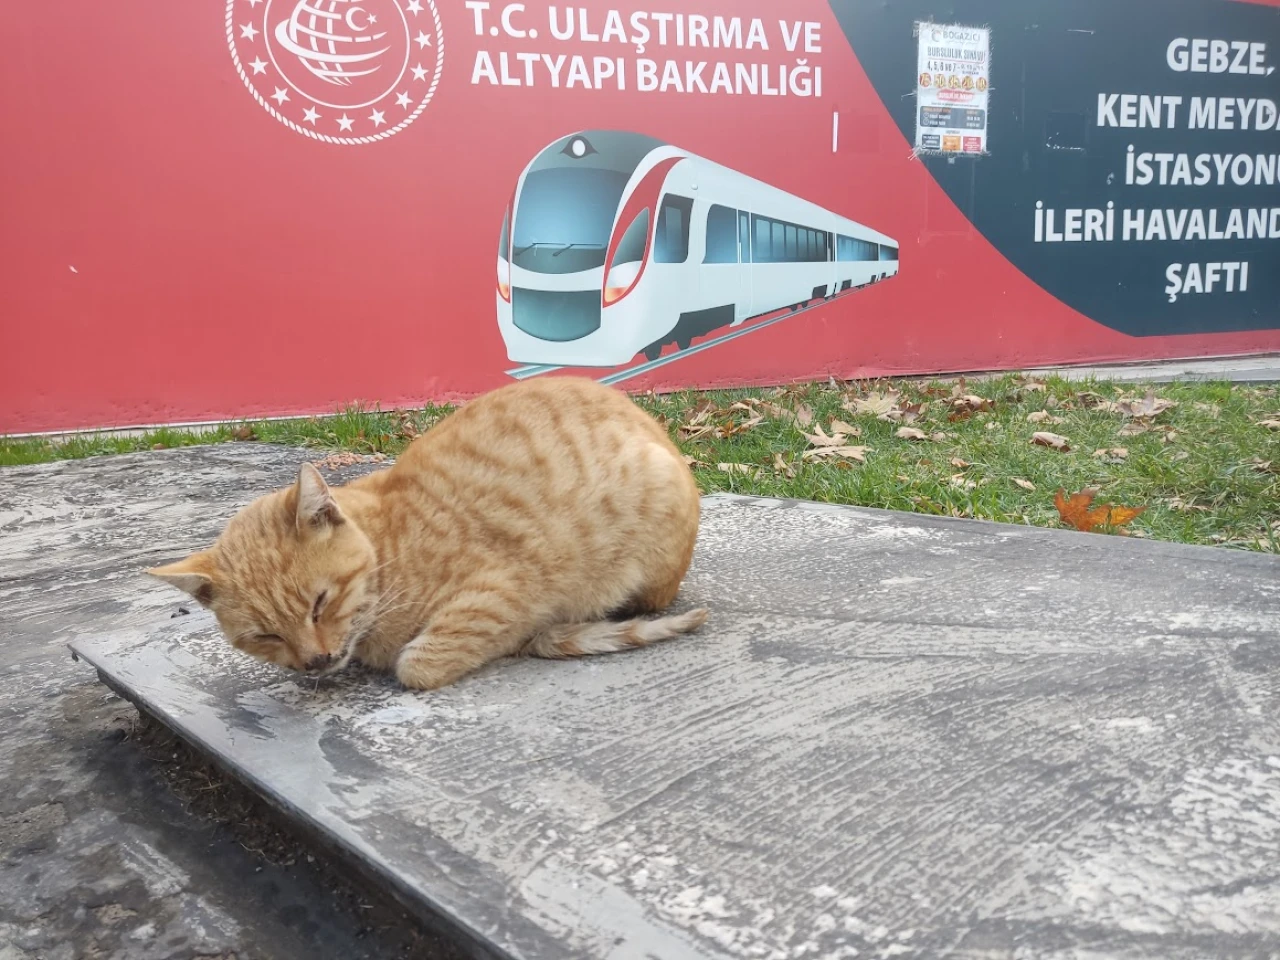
{"points": [[419, 670]]}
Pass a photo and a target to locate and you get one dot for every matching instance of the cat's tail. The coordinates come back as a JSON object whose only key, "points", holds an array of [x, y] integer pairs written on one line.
{"points": [[567, 640]]}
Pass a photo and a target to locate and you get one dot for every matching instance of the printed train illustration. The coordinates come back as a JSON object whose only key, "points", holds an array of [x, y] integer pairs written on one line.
{"points": [[615, 243]]}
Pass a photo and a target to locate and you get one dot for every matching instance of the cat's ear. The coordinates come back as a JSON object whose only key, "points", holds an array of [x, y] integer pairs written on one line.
{"points": [[194, 575], [316, 507]]}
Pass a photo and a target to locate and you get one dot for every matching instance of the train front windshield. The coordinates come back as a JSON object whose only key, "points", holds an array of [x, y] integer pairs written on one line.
{"points": [[564, 218]]}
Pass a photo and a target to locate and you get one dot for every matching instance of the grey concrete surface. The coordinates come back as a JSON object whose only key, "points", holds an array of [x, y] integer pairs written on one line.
{"points": [[98, 859], [1264, 368], [897, 736]]}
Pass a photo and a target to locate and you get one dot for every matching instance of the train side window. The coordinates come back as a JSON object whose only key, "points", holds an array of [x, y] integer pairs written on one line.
{"points": [[888, 253], [791, 243], [672, 239], [744, 237], [779, 239], [762, 252], [722, 235]]}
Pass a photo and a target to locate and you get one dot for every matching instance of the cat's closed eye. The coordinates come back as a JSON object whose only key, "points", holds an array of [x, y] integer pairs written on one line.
{"points": [[268, 638], [319, 604]]}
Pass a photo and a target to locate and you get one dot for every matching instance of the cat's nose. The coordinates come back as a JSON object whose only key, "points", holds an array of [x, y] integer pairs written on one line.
{"points": [[320, 661]]}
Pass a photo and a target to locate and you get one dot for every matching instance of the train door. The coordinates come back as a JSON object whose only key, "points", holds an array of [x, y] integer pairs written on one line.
{"points": [[742, 306]]}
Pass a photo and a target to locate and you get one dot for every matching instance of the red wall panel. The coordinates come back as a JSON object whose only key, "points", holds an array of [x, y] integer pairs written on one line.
{"points": [[170, 251]]}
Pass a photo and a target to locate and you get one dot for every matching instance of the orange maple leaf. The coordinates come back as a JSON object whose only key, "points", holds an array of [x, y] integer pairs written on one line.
{"points": [[1078, 511]]}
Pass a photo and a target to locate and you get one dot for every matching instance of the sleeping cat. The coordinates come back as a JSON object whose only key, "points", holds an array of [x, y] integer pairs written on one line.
{"points": [[518, 525]]}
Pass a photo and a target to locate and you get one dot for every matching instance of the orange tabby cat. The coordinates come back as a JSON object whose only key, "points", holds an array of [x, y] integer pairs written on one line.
{"points": [[517, 525]]}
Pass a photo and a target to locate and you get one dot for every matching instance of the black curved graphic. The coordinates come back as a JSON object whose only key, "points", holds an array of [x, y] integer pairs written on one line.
{"points": [[1050, 60]]}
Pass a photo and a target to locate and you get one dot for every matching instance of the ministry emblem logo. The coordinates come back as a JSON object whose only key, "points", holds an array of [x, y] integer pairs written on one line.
{"points": [[338, 71]]}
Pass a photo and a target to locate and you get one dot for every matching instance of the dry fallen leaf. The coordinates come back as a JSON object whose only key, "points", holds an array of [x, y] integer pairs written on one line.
{"points": [[911, 433], [1211, 409], [1132, 430], [1149, 406], [1051, 440], [819, 438], [877, 403], [801, 415], [1270, 424], [848, 453], [1169, 436], [782, 467], [1090, 399], [1078, 511], [703, 411], [966, 405], [1180, 456], [243, 432], [693, 431], [960, 464], [961, 481], [747, 469], [1112, 454], [1264, 466], [1024, 484], [775, 412], [1184, 506], [848, 429], [699, 423], [1043, 416], [938, 437], [905, 412], [409, 429], [691, 461]]}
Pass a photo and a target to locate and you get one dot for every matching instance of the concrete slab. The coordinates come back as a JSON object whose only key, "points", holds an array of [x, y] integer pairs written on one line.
{"points": [[98, 857], [1262, 368], [898, 736]]}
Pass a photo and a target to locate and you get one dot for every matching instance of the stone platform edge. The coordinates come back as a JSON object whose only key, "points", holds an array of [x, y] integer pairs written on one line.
{"points": [[435, 917]]}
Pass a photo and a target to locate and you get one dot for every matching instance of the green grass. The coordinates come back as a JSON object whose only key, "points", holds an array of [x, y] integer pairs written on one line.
{"points": [[1205, 470]]}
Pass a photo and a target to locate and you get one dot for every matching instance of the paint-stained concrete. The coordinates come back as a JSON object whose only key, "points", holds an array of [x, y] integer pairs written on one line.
{"points": [[98, 859], [897, 736]]}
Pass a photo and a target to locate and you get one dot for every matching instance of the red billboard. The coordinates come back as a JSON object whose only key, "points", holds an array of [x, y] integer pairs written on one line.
{"points": [[234, 208]]}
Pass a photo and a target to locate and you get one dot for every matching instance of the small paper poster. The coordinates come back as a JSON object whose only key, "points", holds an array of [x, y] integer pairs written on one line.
{"points": [[952, 83]]}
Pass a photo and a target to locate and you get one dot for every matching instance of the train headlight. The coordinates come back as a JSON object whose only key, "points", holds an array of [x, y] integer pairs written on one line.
{"points": [[620, 279], [628, 258], [504, 279], [504, 251]]}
